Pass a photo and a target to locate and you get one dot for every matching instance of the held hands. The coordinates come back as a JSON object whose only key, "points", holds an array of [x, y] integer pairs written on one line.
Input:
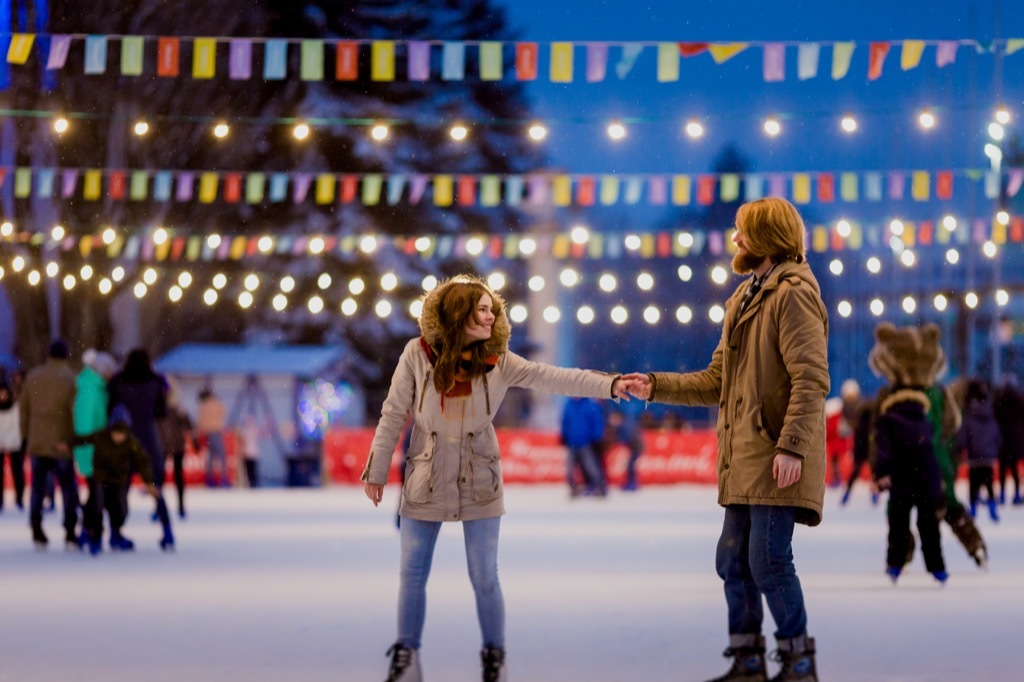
{"points": [[786, 469], [374, 492], [636, 384]]}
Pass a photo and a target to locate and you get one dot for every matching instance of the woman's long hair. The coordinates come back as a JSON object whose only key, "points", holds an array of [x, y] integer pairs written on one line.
{"points": [[455, 309], [137, 367]]}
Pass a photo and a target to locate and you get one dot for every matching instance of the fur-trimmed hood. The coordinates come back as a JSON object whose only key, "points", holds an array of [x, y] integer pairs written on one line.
{"points": [[430, 317]]}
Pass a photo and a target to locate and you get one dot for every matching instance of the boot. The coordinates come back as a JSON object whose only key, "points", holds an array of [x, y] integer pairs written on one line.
{"points": [[797, 658], [747, 652], [39, 537], [992, 511], [405, 664], [493, 660]]}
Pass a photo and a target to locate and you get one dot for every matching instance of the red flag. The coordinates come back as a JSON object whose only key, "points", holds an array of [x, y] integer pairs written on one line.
{"points": [[837, 241], [826, 188], [346, 62], [664, 245], [585, 191], [252, 248], [466, 190], [925, 232], [348, 188], [3, 174], [706, 190], [167, 57], [944, 185], [577, 251], [177, 248], [117, 184], [233, 188], [497, 244], [526, 61], [877, 58], [1017, 229], [692, 49]]}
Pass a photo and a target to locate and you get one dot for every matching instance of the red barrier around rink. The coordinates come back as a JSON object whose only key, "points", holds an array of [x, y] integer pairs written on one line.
{"points": [[537, 457]]}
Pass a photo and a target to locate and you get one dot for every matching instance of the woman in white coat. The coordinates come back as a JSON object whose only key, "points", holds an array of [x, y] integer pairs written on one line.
{"points": [[453, 379]]}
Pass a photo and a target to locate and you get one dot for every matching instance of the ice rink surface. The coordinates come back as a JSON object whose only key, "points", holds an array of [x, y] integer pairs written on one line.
{"points": [[301, 585]]}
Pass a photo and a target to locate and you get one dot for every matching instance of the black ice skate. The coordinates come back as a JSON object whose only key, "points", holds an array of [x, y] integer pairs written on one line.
{"points": [[747, 652], [797, 658], [493, 660]]}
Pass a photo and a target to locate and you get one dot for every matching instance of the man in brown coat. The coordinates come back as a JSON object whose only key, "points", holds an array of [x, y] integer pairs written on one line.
{"points": [[769, 378], [47, 421]]}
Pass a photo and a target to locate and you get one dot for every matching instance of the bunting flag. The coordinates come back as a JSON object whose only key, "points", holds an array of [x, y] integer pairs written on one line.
{"points": [[489, 190], [313, 54]]}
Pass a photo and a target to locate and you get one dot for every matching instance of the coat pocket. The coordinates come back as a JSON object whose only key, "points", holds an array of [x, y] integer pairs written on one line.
{"points": [[485, 468], [419, 473]]}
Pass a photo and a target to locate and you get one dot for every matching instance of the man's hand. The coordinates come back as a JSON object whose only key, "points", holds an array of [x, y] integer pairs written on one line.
{"points": [[636, 384], [152, 490], [786, 469], [374, 492]]}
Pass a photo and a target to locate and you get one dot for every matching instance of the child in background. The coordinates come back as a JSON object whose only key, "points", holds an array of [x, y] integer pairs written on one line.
{"points": [[980, 437], [117, 453]]}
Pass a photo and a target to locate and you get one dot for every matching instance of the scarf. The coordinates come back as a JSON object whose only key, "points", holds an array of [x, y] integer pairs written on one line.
{"points": [[463, 381]]}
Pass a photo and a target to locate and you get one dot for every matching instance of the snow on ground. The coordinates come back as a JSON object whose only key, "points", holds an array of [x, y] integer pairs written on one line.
{"points": [[301, 585]]}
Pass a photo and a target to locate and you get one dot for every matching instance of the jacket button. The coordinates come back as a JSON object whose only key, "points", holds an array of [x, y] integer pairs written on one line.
{"points": [[726, 466], [463, 479], [722, 404], [739, 400], [455, 516], [726, 427]]}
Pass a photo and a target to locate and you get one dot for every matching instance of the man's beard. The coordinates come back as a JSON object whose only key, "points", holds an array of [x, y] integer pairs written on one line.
{"points": [[745, 262]]}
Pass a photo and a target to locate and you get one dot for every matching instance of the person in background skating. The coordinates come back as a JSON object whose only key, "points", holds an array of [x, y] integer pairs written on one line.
{"points": [[1009, 407], [91, 408], [11, 443], [453, 379], [144, 392], [46, 406], [840, 424], [582, 430], [250, 445], [175, 434], [769, 377], [862, 430], [979, 438], [117, 453], [211, 420]]}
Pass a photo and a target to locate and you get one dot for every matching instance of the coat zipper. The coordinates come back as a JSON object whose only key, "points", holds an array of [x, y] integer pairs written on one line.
{"points": [[487, 396], [423, 392]]}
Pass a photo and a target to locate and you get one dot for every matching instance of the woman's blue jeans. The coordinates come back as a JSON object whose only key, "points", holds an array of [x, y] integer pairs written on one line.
{"points": [[755, 557], [418, 540]]}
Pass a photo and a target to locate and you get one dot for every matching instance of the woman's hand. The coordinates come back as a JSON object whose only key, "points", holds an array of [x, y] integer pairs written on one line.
{"points": [[374, 492], [636, 384], [786, 469]]}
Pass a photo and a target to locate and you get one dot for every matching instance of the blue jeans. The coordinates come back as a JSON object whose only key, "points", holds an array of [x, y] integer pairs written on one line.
{"points": [[216, 455], [754, 558], [418, 540], [586, 458]]}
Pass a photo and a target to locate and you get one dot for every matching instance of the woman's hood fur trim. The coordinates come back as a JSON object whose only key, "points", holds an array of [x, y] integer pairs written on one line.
{"points": [[430, 317]]}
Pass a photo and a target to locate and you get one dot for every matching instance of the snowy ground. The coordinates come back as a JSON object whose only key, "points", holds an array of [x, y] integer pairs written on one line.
{"points": [[301, 585]]}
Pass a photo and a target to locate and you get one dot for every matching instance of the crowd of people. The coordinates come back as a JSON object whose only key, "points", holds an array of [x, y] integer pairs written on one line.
{"points": [[87, 433]]}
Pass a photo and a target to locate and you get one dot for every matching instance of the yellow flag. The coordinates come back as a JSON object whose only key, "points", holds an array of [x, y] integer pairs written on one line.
{"points": [[920, 185], [490, 190], [595, 245], [238, 245], [856, 238], [207, 188], [609, 190], [85, 245], [942, 234], [92, 184], [21, 47], [819, 239], [162, 250], [910, 56], [729, 184], [668, 62], [382, 60], [491, 65], [561, 62], [325, 188], [647, 245], [681, 190], [560, 246], [204, 57], [841, 55], [909, 230], [561, 190], [443, 190], [801, 188], [1014, 44], [998, 232], [723, 52], [848, 190]]}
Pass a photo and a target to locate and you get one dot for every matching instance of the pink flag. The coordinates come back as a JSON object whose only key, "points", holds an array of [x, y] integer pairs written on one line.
{"points": [[774, 62], [419, 60], [300, 188], [945, 52], [1015, 180], [185, 181], [538, 192], [896, 183], [597, 62], [657, 190], [240, 63], [59, 46], [417, 187], [68, 182]]}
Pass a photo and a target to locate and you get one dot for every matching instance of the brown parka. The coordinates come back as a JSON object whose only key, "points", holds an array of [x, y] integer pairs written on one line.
{"points": [[769, 378]]}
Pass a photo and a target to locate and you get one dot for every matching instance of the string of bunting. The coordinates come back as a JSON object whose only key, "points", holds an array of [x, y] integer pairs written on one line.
{"points": [[185, 245], [166, 57], [489, 190]]}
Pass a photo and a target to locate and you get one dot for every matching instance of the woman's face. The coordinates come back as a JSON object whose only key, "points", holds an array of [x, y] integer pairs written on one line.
{"points": [[478, 328]]}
